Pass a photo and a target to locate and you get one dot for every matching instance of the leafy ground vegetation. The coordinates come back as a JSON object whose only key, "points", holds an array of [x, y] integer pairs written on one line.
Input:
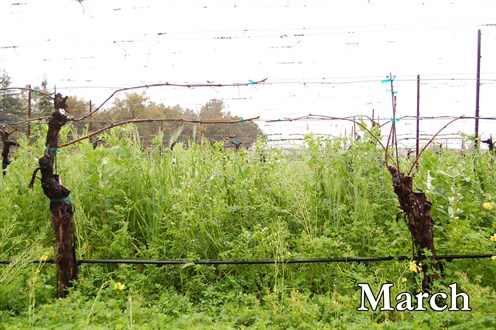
{"points": [[202, 201]]}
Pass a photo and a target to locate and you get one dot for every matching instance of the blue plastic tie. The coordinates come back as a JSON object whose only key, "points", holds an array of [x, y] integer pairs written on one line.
{"points": [[62, 199], [388, 80]]}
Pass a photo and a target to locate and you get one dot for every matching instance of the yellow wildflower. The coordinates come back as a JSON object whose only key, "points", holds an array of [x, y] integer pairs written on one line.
{"points": [[488, 206], [119, 286], [493, 238], [414, 267], [404, 280], [493, 258], [44, 257]]}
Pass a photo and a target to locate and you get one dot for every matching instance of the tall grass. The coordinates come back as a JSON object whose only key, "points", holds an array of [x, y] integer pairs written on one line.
{"points": [[328, 199]]}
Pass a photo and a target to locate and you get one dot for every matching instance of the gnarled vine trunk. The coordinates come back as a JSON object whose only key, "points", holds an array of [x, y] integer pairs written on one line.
{"points": [[417, 208], [60, 203], [7, 144]]}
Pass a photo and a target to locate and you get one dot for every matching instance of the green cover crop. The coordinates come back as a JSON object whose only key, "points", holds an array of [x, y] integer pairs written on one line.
{"points": [[202, 201]]}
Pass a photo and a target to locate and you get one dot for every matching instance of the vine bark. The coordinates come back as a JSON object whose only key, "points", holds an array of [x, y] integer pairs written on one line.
{"points": [[7, 144], [417, 209], [60, 203]]}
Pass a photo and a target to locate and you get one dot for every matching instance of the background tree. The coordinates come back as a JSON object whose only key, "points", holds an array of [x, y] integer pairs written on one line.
{"points": [[42, 103], [242, 134], [173, 131], [12, 108], [132, 106], [78, 106]]}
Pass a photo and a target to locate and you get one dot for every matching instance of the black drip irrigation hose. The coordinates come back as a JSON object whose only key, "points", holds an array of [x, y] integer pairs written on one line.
{"points": [[254, 262]]}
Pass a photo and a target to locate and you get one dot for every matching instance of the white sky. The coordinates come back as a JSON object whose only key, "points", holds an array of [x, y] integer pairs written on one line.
{"points": [[320, 57]]}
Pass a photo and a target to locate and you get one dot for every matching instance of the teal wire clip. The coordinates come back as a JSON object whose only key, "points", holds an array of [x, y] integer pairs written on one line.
{"points": [[393, 120], [388, 80], [55, 149], [62, 199], [251, 81], [385, 81]]}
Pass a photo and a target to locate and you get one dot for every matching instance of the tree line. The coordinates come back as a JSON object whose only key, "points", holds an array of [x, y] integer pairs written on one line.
{"points": [[14, 108]]}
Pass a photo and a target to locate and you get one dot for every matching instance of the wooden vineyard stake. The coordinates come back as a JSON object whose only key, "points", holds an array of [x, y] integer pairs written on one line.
{"points": [[60, 203], [417, 209]]}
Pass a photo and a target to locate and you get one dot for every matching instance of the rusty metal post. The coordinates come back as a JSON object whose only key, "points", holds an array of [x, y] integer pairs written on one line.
{"points": [[394, 139], [29, 113], [90, 125], [354, 132], [477, 90], [417, 136]]}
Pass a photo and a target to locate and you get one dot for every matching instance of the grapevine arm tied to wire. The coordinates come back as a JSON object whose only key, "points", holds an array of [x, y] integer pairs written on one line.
{"points": [[167, 84]]}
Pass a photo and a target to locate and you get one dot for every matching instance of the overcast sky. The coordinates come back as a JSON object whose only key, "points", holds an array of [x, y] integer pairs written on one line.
{"points": [[322, 57]]}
